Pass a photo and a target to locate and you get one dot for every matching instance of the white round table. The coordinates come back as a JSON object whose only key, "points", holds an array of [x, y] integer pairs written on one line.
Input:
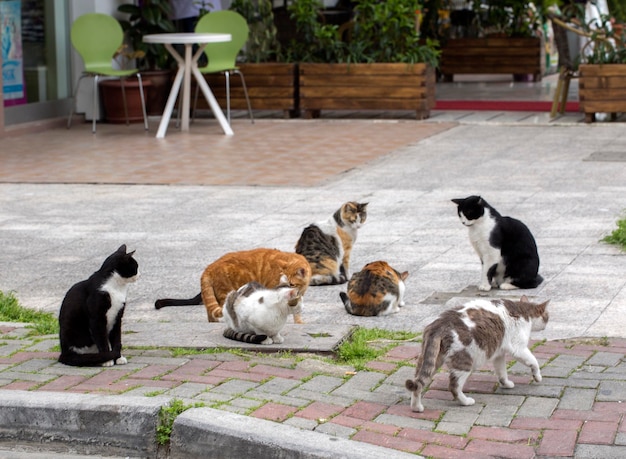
{"points": [[188, 66]]}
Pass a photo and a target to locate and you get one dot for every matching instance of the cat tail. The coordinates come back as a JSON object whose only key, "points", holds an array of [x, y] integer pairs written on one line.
{"points": [[86, 360], [528, 283], [347, 303], [164, 302], [244, 337], [427, 363]]}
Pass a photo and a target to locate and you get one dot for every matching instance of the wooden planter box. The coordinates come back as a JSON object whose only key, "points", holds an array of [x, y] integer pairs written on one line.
{"points": [[602, 88], [377, 86], [271, 86], [517, 56]]}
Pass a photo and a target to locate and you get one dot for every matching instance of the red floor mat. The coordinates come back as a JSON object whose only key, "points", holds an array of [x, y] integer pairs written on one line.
{"points": [[502, 105]]}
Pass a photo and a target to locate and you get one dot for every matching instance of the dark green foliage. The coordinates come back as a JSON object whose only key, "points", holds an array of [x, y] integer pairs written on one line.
{"points": [[153, 16], [617, 9], [380, 32], [262, 45]]}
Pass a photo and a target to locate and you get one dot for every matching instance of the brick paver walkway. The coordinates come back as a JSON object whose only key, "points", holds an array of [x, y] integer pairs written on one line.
{"points": [[576, 411]]}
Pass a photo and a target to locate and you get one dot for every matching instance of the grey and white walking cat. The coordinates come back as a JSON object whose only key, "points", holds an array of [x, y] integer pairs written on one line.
{"points": [[467, 337]]}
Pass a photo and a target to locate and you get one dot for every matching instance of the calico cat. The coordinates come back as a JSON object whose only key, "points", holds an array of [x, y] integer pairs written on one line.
{"points": [[467, 337], [255, 314], [231, 271], [376, 290], [327, 245], [90, 319], [506, 247]]}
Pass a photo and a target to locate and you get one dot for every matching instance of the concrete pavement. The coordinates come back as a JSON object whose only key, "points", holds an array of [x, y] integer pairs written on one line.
{"points": [[567, 183]]}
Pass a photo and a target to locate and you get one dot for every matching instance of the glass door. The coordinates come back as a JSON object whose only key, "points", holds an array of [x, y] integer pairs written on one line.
{"points": [[35, 53]]}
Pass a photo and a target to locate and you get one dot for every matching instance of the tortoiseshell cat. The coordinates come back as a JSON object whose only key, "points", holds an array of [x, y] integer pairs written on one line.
{"points": [[466, 337], [269, 267], [505, 246], [256, 314], [90, 320], [327, 245], [376, 290]]}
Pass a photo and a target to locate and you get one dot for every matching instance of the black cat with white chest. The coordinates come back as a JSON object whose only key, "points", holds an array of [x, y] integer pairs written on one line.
{"points": [[90, 319], [506, 247]]}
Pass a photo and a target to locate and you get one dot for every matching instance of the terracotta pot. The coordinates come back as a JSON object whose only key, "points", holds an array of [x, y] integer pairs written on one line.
{"points": [[159, 90], [113, 103]]}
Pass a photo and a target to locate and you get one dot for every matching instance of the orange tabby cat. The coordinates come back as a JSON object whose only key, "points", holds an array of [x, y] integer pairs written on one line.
{"points": [[269, 267]]}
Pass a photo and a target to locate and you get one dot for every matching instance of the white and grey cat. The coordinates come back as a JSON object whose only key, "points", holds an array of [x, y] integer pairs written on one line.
{"points": [[255, 314], [467, 337], [506, 247]]}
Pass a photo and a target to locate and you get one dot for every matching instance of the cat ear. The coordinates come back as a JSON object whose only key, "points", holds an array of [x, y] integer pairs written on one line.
{"points": [[457, 201], [130, 254], [404, 275], [122, 248], [283, 281], [524, 299], [363, 205]]}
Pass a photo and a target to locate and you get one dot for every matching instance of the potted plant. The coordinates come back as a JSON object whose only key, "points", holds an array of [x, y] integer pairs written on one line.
{"points": [[271, 82], [376, 61], [113, 98], [507, 38], [602, 71], [156, 64]]}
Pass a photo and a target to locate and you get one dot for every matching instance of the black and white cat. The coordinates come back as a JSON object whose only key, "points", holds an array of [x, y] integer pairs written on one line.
{"points": [[255, 314], [90, 319], [506, 247]]}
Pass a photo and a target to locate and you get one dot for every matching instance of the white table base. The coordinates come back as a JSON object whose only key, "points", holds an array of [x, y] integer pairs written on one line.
{"points": [[187, 67]]}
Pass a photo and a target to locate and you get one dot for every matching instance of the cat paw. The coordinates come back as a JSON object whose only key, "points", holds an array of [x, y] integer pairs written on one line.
{"points": [[484, 287], [121, 361], [267, 340], [507, 383], [278, 339], [417, 408], [297, 319], [466, 401], [110, 363], [537, 376], [507, 286], [401, 304]]}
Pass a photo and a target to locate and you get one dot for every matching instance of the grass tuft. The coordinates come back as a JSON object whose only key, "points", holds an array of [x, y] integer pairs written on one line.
{"points": [[618, 236], [367, 344], [41, 323], [168, 415]]}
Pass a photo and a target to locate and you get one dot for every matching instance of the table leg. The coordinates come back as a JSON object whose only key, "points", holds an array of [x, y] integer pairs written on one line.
{"points": [[186, 88], [208, 95], [169, 106]]}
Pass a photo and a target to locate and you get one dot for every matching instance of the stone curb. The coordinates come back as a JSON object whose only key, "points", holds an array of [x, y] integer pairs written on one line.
{"points": [[126, 426], [213, 434], [83, 423]]}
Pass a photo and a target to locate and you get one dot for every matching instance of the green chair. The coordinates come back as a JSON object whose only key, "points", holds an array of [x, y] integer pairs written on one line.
{"points": [[222, 57], [97, 37]]}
